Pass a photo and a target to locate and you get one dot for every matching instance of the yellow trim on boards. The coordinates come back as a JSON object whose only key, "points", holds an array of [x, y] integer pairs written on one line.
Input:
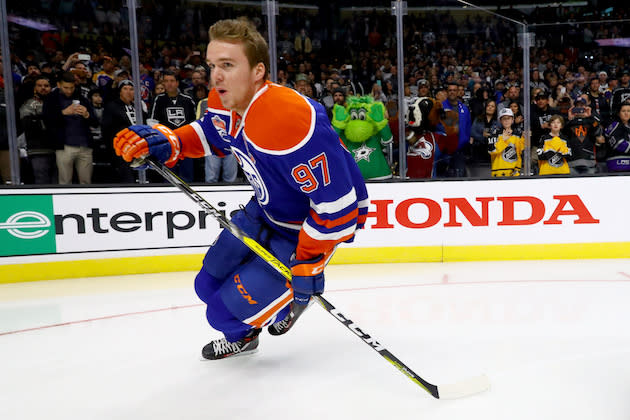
{"points": [[14, 273]]}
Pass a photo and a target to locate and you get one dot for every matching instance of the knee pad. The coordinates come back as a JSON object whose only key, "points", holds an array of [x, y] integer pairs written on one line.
{"points": [[206, 285]]}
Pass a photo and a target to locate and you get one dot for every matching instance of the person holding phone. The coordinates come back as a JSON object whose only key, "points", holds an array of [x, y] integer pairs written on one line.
{"points": [[585, 138], [69, 116]]}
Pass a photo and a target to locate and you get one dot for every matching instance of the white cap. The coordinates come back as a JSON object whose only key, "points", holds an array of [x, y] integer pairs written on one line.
{"points": [[506, 112]]}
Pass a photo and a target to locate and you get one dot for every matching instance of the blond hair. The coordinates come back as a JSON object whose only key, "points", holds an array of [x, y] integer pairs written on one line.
{"points": [[242, 31], [557, 117]]}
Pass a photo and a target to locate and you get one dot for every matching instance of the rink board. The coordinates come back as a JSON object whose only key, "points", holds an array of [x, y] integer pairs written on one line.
{"points": [[78, 232]]}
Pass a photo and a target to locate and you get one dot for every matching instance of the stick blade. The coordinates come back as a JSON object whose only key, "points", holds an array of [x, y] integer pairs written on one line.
{"points": [[465, 388]]}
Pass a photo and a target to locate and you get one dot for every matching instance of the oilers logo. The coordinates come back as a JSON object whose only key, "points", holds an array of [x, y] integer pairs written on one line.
{"points": [[220, 126], [253, 176]]}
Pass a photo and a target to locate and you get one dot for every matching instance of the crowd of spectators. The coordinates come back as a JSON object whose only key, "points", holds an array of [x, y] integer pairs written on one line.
{"points": [[470, 62]]}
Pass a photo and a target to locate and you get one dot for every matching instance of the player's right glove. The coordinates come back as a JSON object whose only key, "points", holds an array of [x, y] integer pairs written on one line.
{"points": [[138, 141], [308, 278]]}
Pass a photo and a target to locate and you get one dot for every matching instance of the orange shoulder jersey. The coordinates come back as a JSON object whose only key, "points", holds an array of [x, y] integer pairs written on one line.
{"points": [[305, 181], [506, 156], [552, 156]]}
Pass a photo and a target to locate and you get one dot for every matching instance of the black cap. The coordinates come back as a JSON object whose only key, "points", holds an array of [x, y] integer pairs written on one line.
{"points": [[339, 90]]}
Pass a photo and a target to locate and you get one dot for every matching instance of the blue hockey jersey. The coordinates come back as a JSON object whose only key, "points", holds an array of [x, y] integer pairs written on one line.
{"points": [[304, 179]]}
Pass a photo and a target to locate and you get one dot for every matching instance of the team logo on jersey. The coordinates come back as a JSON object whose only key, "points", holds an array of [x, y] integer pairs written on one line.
{"points": [[363, 153], [253, 176], [220, 126], [175, 116], [422, 148]]}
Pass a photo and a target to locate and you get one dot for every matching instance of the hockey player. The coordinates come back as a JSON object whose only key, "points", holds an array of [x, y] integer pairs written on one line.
{"points": [[309, 193]]}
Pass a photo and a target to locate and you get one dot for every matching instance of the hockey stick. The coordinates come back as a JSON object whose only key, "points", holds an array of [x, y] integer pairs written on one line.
{"points": [[457, 390]]}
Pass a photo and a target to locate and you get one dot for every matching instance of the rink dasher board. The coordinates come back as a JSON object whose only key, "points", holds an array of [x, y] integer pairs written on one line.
{"points": [[77, 232]]}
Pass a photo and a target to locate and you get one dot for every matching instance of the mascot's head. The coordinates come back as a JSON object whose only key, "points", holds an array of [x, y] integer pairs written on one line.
{"points": [[424, 113], [360, 119]]}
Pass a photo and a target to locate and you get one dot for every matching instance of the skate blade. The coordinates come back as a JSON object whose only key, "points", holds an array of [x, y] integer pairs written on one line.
{"points": [[243, 353]]}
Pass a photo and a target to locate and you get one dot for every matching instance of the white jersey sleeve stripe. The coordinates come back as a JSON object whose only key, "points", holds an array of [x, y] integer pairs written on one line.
{"points": [[333, 236], [335, 206], [202, 137]]}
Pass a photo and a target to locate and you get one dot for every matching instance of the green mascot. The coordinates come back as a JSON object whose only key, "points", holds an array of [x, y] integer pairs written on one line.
{"points": [[362, 126]]}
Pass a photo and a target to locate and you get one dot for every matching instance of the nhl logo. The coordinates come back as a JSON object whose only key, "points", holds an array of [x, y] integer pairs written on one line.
{"points": [[509, 154]]}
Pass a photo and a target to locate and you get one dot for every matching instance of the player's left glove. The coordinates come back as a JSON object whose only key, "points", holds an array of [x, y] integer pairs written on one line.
{"points": [[159, 141], [308, 278]]}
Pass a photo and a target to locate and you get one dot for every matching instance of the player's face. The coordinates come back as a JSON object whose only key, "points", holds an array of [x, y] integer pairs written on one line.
{"points": [[233, 78]]}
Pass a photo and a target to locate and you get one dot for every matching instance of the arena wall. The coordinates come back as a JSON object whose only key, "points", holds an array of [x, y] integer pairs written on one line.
{"points": [[79, 232]]}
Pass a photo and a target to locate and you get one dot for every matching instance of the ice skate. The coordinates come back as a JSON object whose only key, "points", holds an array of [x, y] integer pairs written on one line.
{"points": [[221, 348]]}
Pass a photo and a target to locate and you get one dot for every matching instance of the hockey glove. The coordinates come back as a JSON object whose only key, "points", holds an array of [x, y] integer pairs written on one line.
{"points": [[308, 278], [137, 141]]}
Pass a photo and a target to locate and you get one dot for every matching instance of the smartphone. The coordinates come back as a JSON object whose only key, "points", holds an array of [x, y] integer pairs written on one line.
{"points": [[76, 102], [563, 90], [84, 57], [348, 67], [578, 110]]}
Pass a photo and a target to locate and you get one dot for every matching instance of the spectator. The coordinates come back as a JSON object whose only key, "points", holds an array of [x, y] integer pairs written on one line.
{"points": [[119, 114], [478, 103], [456, 163], [339, 97], [197, 79], [27, 84], [174, 110], [512, 94], [506, 147], [377, 93], [68, 116], [540, 115], [104, 77], [483, 127], [618, 141], [424, 89], [564, 104], [621, 93], [40, 145], [603, 81], [217, 168], [585, 139], [554, 150], [5, 157], [598, 101], [101, 152], [519, 120]]}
